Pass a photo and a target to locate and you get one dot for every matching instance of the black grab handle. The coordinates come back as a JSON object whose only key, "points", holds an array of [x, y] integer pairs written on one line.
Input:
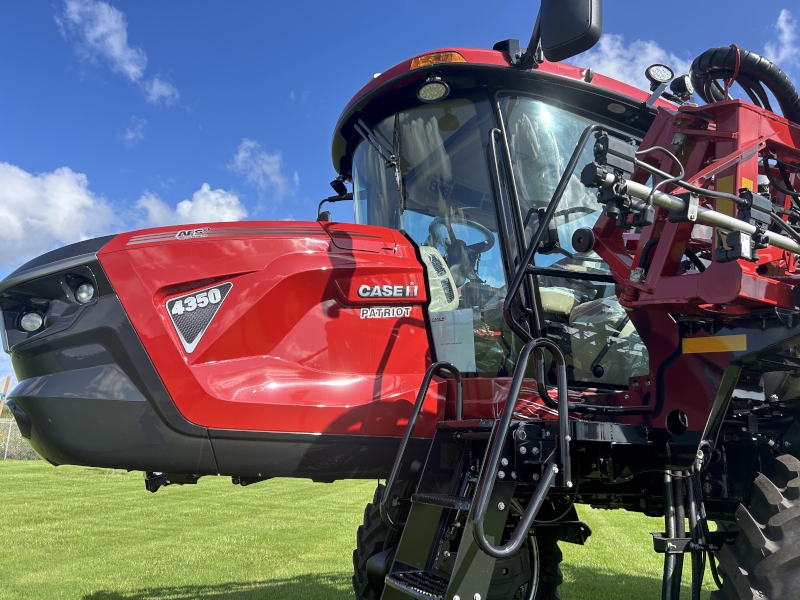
{"points": [[434, 369], [486, 484]]}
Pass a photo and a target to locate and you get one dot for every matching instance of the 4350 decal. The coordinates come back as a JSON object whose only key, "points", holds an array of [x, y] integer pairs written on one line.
{"points": [[191, 303]]}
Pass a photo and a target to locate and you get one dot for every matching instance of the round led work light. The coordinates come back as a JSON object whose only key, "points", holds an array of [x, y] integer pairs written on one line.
{"points": [[658, 74], [31, 322], [433, 90], [84, 293]]}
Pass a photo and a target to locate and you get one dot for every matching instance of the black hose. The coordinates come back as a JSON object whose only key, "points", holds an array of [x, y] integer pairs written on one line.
{"points": [[646, 252], [786, 228], [774, 182], [714, 573], [694, 260], [716, 63]]}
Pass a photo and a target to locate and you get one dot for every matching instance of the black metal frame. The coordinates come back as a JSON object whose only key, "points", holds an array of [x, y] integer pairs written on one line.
{"points": [[524, 267], [549, 471], [434, 369]]}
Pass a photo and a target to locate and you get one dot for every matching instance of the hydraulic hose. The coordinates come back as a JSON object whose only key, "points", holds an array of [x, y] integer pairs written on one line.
{"points": [[721, 63]]}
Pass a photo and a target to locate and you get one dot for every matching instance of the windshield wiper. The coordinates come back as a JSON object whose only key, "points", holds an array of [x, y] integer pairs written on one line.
{"points": [[387, 153], [384, 150]]}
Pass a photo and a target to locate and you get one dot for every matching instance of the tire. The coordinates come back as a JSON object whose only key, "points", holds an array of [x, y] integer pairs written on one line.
{"points": [[374, 536], [764, 562]]}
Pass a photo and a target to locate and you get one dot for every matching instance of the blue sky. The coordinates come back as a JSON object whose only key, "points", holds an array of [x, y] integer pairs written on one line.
{"points": [[119, 115]]}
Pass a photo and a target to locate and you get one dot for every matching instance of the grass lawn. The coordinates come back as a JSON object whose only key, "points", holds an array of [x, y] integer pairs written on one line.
{"points": [[71, 532]]}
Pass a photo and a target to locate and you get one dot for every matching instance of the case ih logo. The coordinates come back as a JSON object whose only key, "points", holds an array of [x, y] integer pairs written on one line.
{"points": [[186, 234], [387, 291]]}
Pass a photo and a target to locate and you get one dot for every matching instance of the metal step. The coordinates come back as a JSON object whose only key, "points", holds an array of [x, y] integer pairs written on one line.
{"points": [[468, 425], [454, 502], [418, 584]]}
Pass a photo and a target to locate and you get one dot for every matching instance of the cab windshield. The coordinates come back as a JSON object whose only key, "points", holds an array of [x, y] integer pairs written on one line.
{"points": [[441, 195]]}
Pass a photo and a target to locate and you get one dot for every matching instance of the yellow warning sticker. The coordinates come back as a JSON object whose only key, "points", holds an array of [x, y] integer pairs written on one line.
{"points": [[723, 205], [715, 343]]}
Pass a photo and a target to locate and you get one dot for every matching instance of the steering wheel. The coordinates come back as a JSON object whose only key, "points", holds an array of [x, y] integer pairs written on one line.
{"points": [[478, 248], [461, 258]]}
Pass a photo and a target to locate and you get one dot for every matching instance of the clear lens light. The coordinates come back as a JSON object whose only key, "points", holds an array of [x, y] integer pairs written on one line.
{"points": [[31, 322], [431, 92], [659, 73], [84, 293]]}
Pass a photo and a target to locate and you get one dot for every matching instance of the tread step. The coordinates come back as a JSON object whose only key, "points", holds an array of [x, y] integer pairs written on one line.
{"points": [[468, 425], [454, 502], [418, 584]]}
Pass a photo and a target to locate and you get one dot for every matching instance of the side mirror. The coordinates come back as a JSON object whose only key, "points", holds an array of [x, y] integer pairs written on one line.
{"points": [[569, 27]]}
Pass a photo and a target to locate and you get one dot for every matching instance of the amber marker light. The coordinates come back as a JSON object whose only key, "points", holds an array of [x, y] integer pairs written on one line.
{"points": [[436, 58]]}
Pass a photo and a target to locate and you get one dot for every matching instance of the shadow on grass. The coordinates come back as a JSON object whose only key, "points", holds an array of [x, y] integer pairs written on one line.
{"points": [[332, 586], [589, 583], [583, 583]]}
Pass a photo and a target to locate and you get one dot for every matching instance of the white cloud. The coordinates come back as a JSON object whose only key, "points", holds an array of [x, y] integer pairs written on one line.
{"points": [[157, 90], [785, 50], [627, 62], [101, 32], [263, 170], [43, 211], [206, 205], [133, 134], [302, 97]]}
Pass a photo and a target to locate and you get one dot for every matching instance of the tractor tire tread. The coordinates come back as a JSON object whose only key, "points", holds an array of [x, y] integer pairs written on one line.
{"points": [[764, 562]]}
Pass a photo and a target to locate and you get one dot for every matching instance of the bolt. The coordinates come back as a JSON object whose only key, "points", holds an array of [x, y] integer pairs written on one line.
{"points": [[787, 444], [535, 477], [546, 434], [513, 474], [773, 398], [569, 484], [504, 462], [627, 396], [636, 384], [456, 597], [535, 450], [594, 465], [555, 470], [447, 554], [505, 571], [568, 438], [522, 449], [501, 506], [501, 475], [521, 435], [647, 383], [476, 597]]}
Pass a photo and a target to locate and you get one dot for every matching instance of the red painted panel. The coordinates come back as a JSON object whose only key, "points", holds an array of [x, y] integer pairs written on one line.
{"points": [[289, 349]]}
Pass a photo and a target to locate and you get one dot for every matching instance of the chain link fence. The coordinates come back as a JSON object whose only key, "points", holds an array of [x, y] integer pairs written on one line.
{"points": [[12, 445]]}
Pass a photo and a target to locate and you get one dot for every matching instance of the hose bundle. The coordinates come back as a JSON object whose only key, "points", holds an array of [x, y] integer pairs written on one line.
{"points": [[749, 70]]}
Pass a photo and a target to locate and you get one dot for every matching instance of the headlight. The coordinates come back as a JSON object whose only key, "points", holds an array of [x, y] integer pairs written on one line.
{"points": [[84, 293], [31, 322]]}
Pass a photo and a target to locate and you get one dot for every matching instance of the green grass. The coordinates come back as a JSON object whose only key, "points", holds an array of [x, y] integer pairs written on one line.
{"points": [[70, 532]]}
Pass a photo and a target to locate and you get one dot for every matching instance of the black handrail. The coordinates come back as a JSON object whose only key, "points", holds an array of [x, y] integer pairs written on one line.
{"points": [[550, 470], [434, 369], [522, 268]]}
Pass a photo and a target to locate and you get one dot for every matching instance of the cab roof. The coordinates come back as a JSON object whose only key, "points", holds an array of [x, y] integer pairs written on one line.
{"points": [[494, 68]]}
